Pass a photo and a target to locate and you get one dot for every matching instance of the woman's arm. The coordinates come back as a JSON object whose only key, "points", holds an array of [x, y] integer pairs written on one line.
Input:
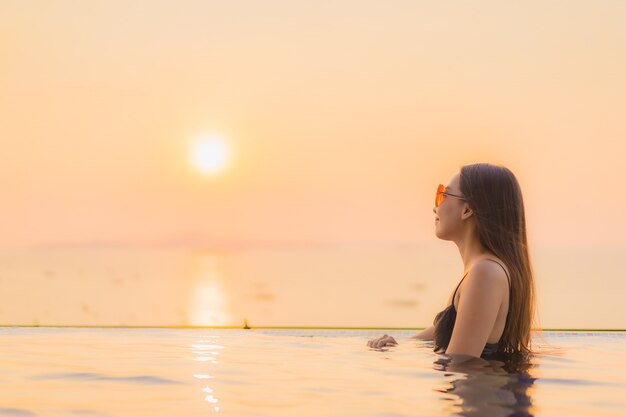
{"points": [[426, 334]]}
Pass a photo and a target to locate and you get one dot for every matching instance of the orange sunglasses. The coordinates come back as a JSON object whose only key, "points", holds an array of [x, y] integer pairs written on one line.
{"points": [[441, 194]]}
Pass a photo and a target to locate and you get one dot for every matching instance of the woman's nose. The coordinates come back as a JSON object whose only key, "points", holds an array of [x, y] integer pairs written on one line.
{"points": [[435, 210]]}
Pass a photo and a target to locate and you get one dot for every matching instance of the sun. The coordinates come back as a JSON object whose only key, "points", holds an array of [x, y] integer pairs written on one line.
{"points": [[210, 154]]}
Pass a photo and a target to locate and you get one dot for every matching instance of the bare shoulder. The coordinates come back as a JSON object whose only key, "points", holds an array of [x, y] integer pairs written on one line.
{"points": [[487, 272], [485, 280]]}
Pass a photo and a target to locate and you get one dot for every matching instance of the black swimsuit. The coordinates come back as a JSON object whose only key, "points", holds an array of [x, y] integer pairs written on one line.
{"points": [[444, 323]]}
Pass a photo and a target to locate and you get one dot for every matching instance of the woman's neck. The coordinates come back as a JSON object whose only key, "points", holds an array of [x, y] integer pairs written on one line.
{"points": [[472, 251]]}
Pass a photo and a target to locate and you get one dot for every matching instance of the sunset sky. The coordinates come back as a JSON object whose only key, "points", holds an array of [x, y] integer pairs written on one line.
{"points": [[339, 119]]}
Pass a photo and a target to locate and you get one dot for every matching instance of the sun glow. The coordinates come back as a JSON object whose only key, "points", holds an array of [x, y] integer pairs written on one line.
{"points": [[210, 154]]}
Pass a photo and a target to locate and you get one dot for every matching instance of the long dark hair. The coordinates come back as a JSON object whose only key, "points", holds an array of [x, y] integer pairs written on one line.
{"points": [[495, 197]]}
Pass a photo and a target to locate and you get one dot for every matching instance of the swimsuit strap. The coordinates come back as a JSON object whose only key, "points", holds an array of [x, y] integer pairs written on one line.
{"points": [[507, 277], [457, 287]]}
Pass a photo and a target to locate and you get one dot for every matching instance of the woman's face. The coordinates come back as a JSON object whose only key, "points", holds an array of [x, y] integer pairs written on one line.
{"points": [[448, 220]]}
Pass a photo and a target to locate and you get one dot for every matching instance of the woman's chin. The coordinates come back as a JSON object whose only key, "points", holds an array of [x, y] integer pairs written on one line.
{"points": [[439, 233]]}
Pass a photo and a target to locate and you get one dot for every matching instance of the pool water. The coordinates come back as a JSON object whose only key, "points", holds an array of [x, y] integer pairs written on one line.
{"points": [[49, 371]]}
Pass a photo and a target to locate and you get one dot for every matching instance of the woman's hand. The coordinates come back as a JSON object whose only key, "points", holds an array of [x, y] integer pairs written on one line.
{"points": [[384, 340]]}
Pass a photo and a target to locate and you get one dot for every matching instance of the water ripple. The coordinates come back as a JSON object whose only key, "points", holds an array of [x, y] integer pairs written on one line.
{"points": [[569, 381], [140, 379], [15, 412]]}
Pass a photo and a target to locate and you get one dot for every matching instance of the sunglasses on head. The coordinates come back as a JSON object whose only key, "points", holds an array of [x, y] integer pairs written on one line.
{"points": [[441, 194]]}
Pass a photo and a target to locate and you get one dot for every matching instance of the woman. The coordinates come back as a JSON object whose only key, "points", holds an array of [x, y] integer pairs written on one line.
{"points": [[491, 310]]}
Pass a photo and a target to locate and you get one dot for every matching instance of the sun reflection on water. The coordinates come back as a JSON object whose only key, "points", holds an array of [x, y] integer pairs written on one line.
{"points": [[209, 304], [206, 351]]}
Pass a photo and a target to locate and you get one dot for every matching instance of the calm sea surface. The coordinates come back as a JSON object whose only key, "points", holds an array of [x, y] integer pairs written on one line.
{"points": [[401, 286], [55, 371]]}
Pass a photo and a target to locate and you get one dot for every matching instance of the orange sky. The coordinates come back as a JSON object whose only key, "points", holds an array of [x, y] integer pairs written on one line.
{"points": [[342, 117]]}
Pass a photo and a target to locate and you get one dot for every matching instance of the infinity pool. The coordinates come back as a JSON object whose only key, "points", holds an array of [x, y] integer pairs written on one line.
{"points": [[48, 371]]}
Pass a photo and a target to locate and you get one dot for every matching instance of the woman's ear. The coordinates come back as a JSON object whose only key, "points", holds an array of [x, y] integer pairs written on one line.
{"points": [[467, 212]]}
